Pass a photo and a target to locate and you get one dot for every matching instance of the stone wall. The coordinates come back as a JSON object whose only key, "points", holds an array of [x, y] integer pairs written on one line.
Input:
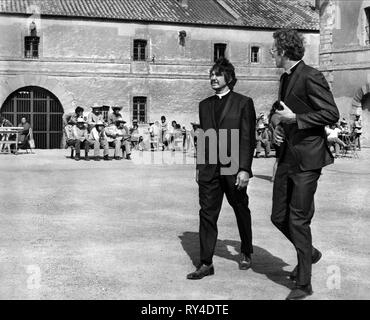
{"points": [[87, 61]]}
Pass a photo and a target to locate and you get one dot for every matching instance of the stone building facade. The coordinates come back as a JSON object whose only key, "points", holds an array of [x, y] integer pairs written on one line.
{"points": [[150, 57], [345, 57]]}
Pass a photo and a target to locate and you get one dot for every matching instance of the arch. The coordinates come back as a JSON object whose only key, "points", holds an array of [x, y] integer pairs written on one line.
{"points": [[12, 84], [43, 111], [357, 98]]}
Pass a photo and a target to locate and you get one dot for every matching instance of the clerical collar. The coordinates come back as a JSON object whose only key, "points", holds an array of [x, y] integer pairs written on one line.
{"points": [[221, 95], [292, 68]]}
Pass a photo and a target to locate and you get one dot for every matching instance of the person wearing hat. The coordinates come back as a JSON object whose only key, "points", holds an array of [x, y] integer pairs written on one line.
{"points": [[263, 140], [94, 116], [98, 139], [112, 117], [80, 138], [262, 119], [118, 135]]}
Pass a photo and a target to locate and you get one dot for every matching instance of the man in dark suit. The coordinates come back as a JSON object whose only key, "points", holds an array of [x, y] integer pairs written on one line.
{"points": [[306, 107], [229, 120]]}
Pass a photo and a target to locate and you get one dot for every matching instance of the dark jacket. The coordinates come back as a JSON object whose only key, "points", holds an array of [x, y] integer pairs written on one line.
{"points": [[309, 96], [238, 113]]}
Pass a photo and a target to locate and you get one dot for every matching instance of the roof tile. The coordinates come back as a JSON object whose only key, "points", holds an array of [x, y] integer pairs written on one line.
{"points": [[252, 13]]}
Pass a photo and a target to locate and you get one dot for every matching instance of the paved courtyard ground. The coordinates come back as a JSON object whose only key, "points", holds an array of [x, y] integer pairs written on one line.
{"points": [[124, 230]]}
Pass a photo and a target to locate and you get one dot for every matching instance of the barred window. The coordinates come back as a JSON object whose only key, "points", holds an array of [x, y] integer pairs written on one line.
{"points": [[255, 54], [140, 50], [140, 109], [219, 51], [367, 12], [31, 47]]}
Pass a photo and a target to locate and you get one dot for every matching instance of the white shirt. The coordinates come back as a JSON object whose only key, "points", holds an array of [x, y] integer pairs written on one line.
{"points": [[332, 133], [220, 95], [289, 71]]}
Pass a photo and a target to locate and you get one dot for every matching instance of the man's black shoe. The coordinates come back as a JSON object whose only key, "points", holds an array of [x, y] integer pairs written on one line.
{"points": [[77, 157], [106, 158], [97, 158], [201, 272], [87, 158], [316, 256], [300, 292], [245, 261], [128, 157]]}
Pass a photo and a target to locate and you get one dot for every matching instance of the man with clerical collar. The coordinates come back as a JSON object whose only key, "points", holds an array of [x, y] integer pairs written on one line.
{"points": [[305, 106], [231, 115]]}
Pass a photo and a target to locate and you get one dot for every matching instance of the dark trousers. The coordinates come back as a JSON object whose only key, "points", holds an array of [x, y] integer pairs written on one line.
{"points": [[84, 144], [292, 211], [210, 199]]}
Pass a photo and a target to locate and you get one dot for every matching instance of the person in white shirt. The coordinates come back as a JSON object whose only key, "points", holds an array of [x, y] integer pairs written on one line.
{"points": [[94, 116], [332, 133], [80, 138], [119, 136], [99, 139]]}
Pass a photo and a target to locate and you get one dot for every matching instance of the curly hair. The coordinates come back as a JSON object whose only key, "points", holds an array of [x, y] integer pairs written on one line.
{"points": [[291, 42], [224, 67], [79, 109]]}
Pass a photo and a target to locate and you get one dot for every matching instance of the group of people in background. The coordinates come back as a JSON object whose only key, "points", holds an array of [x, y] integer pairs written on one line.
{"points": [[338, 135], [165, 134], [94, 132]]}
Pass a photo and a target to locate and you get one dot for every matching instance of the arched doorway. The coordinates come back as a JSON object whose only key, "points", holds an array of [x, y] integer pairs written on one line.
{"points": [[42, 109]]}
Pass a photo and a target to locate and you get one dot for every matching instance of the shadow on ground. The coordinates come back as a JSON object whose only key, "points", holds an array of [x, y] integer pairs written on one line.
{"points": [[263, 262]]}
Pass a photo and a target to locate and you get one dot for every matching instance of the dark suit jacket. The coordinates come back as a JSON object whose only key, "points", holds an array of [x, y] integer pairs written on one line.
{"points": [[239, 113], [309, 96]]}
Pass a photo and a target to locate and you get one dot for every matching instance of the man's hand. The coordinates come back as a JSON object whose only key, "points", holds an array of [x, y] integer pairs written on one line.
{"points": [[286, 115], [279, 135], [242, 180]]}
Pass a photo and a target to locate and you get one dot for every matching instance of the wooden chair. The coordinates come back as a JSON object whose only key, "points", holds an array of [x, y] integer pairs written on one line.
{"points": [[350, 149]]}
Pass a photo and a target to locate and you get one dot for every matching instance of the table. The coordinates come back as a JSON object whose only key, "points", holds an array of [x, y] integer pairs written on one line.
{"points": [[5, 138]]}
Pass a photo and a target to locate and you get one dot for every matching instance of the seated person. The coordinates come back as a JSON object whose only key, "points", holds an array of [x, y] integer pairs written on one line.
{"points": [[80, 139], [118, 135], [98, 138], [263, 141], [23, 137], [332, 133], [96, 115], [71, 118]]}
